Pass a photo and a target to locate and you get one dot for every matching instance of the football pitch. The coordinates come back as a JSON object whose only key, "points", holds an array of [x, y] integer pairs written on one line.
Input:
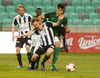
{"points": [[87, 66]]}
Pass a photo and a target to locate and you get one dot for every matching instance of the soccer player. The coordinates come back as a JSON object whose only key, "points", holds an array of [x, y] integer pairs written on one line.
{"points": [[39, 12], [47, 37], [54, 17], [61, 35], [36, 38], [23, 20]]}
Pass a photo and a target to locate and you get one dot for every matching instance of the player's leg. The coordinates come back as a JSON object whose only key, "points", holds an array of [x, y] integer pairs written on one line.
{"points": [[56, 53], [33, 61], [47, 56], [19, 58], [37, 62], [34, 58], [28, 50], [49, 60], [38, 40], [28, 54], [38, 59], [34, 41], [38, 52], [32, 50], [64, 41], [19, 45]]}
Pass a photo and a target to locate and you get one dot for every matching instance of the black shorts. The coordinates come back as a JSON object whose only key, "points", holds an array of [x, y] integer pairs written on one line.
{"points": [[42, 49], [20, 42]]}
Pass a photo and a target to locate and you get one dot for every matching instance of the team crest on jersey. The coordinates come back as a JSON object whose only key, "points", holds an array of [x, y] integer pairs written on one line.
{"points": [[26, 16], [62, 25]]}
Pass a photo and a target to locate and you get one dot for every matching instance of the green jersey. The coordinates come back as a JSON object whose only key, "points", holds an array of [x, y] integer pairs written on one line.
{"points": [[53, 17], [43, 20]]}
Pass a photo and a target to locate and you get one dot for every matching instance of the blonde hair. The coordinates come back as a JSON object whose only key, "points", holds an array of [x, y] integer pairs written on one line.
{"points": [[20, 6], [34, 19]]}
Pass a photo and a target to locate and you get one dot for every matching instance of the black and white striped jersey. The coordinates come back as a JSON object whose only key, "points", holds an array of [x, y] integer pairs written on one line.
{"points": [[23, 23], [47, 35]]}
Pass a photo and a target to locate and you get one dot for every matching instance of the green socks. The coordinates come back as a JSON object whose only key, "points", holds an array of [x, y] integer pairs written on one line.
{"points": [[37, 61], [32, 52], [55, 56]]}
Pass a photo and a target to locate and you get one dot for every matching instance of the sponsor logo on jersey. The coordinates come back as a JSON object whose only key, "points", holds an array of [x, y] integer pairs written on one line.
{"points": [[17, 18], [17, 41]]}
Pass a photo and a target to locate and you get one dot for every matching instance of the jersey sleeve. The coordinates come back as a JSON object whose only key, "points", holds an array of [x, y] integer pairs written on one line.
{"points": [[49, 24], [30, 17], [47, 15], [65, 21], [14, 23]]}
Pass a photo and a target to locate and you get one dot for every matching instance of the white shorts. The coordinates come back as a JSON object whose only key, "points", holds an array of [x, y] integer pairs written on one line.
{"points": [[56, 39], [36, 47], [35, 40]]}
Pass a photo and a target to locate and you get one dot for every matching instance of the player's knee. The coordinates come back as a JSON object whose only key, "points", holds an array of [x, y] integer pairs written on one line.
{"points": [[57, 44], [17, 50], [49, 54], [33, 59], [28, 48], [49, 51]]}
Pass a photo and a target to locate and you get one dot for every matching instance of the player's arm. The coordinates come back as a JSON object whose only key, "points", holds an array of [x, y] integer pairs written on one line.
{"points": [[32, 29], [14, 23], [41, 17], [67, 29], [59, 19], [26, 34], [65, 23], [13, 31]]}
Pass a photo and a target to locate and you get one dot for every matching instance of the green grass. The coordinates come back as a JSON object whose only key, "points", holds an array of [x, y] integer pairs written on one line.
{"points": [[87, 66]]}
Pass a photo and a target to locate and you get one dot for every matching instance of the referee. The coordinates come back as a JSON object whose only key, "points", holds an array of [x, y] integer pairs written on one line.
{"points": [[23, 21], [47, 37]]}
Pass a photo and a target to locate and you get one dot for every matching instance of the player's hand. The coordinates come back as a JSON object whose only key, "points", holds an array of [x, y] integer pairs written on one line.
{"points": [[13, 38], [68, 30], [18, 36], [61, 17]]}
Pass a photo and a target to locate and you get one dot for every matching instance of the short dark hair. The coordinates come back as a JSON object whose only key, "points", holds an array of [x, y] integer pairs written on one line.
{"points": [[34, 19], [61, 6], [38, 9]]}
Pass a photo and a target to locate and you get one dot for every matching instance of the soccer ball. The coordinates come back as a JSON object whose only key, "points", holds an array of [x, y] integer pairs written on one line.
{"points": [[70, 67]]}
